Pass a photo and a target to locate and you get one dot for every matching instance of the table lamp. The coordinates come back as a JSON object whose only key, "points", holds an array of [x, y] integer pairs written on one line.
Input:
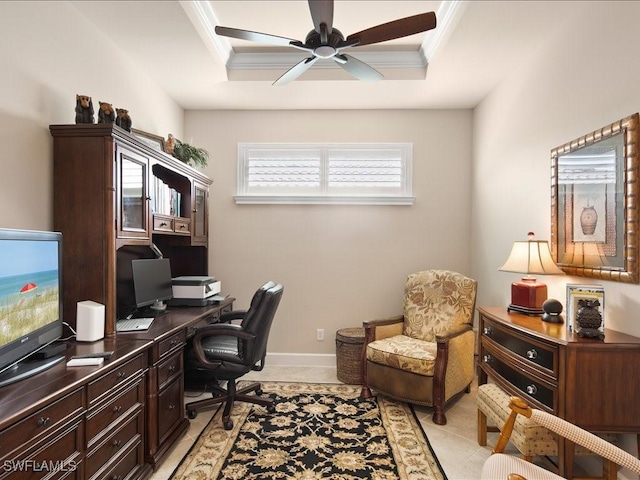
{"points": [[530, 257]]}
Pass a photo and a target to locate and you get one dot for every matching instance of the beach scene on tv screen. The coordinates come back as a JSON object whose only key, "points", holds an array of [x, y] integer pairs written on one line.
{"points": [[29, 294]]}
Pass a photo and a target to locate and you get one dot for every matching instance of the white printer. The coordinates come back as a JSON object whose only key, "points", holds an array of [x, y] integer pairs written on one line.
{"points": [[194, 291]]}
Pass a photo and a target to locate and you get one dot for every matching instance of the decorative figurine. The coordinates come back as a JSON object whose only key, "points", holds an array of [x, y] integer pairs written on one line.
{"points": [[552, 310], [84, 109], [589, 318], [170, 144], [106, 114], [123, 119]]}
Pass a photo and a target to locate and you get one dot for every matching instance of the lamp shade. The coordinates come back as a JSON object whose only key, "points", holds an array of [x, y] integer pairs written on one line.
{"points": [[531, 257]]}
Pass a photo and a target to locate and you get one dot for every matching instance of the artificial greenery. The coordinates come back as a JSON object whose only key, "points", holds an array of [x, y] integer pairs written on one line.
{"points": [[188, 153]]}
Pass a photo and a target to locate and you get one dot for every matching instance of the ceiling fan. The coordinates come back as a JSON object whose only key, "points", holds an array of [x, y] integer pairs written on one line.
{"points": [[324, 41]]}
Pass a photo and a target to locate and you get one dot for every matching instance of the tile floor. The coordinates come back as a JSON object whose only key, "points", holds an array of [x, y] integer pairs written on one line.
{"points": [[454, 444]]}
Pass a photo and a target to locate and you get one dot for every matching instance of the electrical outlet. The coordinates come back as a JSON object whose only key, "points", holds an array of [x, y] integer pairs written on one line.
{"points": [[320, 334]]}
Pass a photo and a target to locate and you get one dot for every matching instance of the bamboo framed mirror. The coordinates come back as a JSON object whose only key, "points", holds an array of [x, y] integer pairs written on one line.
{"points": [[594, 203]]}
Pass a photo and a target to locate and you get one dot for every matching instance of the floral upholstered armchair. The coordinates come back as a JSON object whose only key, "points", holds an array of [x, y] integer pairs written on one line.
{"points": [[426, 355]]}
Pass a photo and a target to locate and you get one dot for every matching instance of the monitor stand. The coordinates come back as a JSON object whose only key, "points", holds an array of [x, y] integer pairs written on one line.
{"points": [[155, 310]]}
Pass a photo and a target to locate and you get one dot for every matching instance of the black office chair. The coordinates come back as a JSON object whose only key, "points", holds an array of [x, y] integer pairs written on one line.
{"points": [[227, 351]]}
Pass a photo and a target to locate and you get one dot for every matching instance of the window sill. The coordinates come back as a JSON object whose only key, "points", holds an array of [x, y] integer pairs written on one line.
{"points": [[321, 200]]}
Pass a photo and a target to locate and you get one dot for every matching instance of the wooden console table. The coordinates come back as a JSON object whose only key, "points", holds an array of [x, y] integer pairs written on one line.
{"points": [[591, 383], [118, 420]]}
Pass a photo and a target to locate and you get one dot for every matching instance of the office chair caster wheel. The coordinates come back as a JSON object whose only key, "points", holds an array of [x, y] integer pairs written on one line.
{"points": [[228, 424], [271, 408], [191, 414]]}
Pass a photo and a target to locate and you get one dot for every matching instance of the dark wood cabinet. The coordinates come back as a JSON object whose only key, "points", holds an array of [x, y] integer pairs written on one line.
{"points": [[166, 421], [78, 422], [114, 197], [589, 382]]}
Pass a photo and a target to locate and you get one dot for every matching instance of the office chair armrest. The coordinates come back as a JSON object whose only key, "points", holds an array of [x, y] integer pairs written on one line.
{"points": [[454, 331], [233, 315], [217, 330]]}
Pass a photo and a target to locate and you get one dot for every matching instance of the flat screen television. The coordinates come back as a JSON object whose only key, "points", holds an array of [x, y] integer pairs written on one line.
{"points": [[151, 285], [30, 301]]}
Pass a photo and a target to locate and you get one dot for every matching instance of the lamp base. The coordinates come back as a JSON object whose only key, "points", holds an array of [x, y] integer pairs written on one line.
{"points": [[525, 310], [527, 296]]}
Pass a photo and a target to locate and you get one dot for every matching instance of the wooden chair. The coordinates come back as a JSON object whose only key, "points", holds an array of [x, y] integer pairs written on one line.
{"points": [[507, 467]]}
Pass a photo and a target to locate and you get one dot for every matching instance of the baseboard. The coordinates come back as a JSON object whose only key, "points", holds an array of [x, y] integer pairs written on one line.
{"points": [[301, 359]]}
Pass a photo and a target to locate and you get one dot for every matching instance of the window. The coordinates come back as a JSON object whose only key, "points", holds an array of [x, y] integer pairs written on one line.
{"points": [[377, 174]]}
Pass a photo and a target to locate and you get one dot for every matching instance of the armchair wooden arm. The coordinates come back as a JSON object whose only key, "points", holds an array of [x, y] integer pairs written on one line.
{"points": [[612, 454]]}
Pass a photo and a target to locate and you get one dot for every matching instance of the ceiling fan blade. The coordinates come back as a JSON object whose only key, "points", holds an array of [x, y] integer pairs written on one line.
{"points": [[358, 68], [254, 36], [295, 71], [396, 29], [321, 12]]}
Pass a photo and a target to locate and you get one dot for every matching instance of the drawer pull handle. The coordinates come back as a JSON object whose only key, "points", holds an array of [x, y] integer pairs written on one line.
{"points": [[532, 354], [43, 421], [116, 443], [487, 330], [172, 407], [486, 358], [172, 368], [532, 389], [117, 409], [163, 224], [120, 375], [116, 477]]}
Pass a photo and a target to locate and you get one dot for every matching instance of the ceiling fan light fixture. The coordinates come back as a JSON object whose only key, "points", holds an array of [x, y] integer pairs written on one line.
{"points": [[324, 51]]}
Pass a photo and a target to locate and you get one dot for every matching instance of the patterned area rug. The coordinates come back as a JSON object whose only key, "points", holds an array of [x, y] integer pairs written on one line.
{"points": [[319, 431]]}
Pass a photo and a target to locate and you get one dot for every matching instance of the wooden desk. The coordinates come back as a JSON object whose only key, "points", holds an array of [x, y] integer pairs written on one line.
{"points": [[118, 420], [591, 383], [166, 421]]}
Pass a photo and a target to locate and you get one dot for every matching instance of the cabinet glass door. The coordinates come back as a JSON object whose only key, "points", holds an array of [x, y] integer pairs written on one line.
{"points": [[133, 197], [200, 227]]}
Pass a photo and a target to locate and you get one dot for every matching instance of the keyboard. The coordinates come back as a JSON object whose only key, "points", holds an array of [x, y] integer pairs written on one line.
{"points": [[133, 324]]}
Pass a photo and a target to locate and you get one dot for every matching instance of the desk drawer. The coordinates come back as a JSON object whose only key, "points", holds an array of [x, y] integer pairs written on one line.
{"points": [[162, 223], [40, 423], [125, 467], [169, 369], [60, 457], [128, 434], [113, 410], [168, 344], [118, 376], [170, 408], [182, 226]]}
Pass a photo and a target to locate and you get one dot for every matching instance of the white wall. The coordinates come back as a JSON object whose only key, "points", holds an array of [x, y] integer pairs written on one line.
{"points": [[584, 79], [48, 55], [339, 264]]}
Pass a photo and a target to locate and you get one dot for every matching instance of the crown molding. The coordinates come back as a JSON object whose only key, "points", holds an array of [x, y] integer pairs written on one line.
{"points": [[204, 19]]}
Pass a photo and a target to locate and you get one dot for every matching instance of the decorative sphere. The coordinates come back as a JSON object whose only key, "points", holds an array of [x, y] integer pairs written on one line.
{"points": [[552, 306]]}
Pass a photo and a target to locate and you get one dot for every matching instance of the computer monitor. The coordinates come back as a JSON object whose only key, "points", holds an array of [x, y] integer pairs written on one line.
{"points": [[151, 284]]}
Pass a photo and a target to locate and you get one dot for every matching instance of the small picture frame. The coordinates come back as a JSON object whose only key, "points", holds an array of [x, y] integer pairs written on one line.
{"points": [[577, 292], [155, 142]]}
